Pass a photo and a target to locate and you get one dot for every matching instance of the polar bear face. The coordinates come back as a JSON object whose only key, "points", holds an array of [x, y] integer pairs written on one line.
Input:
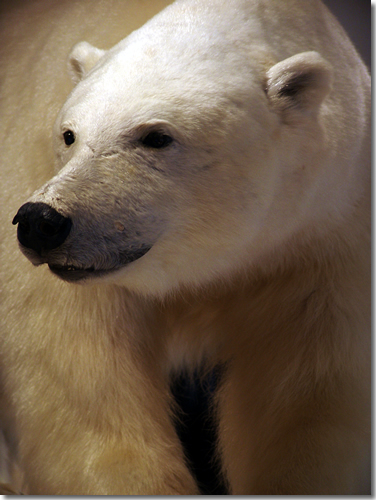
{"points": [[180, 159]]}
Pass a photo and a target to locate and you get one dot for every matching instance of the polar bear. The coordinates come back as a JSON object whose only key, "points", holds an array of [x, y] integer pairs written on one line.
{"points": [[210, 206]]}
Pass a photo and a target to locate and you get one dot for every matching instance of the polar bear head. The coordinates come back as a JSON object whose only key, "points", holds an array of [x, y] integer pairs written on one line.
{"points": [[184, 154]]}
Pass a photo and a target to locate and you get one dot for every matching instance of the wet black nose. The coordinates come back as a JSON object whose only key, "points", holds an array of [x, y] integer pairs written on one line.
{"points": [[41, 227]]}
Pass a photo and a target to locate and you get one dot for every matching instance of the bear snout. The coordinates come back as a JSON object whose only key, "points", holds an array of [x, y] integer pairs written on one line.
{"points": [[41, 228]]}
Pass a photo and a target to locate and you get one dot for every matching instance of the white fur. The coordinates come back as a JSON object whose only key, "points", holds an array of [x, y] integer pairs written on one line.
{"points": [[257, 219]]}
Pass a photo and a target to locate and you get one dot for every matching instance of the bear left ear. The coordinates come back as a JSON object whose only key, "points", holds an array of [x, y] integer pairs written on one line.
{"points": [[81, 59], [299, 84]]}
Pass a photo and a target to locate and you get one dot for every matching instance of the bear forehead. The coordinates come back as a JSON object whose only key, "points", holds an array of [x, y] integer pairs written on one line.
{"points": [[186, 68], [178, 57], [133, 86], [148, 68]]}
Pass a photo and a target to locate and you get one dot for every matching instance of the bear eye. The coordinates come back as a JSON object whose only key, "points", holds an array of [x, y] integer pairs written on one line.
{"points": [[156, 140], [69, 137]]}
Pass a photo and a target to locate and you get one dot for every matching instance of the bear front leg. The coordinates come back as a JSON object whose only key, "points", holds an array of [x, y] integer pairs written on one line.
{"points": [[67, 449], [92, 406]]}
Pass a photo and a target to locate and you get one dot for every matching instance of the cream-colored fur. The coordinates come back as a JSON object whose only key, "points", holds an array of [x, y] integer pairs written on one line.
{"points": [[257, 223]]}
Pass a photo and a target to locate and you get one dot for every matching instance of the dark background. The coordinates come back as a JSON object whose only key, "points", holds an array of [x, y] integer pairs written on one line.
{"points": [[355, 17]]}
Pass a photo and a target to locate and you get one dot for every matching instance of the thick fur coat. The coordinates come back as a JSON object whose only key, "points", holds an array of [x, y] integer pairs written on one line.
{"points": [[204, 198]]}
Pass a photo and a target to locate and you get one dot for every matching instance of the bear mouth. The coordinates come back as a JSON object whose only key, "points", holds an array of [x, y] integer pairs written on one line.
{"points": [[73, 273]]}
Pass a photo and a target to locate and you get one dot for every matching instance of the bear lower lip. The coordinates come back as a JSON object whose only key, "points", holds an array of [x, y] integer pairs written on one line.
{"points": [[73, 274]]}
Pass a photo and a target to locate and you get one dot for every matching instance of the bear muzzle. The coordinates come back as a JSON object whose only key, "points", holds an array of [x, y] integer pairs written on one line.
{"points": [[41, 228], [42, 231]]}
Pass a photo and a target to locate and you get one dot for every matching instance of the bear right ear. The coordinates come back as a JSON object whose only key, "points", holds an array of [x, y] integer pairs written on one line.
{"points": [[297, 85], [81, 59]]}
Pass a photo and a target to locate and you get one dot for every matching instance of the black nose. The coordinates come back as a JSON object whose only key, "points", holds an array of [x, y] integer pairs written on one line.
{"points": [[41, 227]]}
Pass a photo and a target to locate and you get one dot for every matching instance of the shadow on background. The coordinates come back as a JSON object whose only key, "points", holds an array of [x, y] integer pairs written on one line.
{"points": [[196, 429], [355, 17]]}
